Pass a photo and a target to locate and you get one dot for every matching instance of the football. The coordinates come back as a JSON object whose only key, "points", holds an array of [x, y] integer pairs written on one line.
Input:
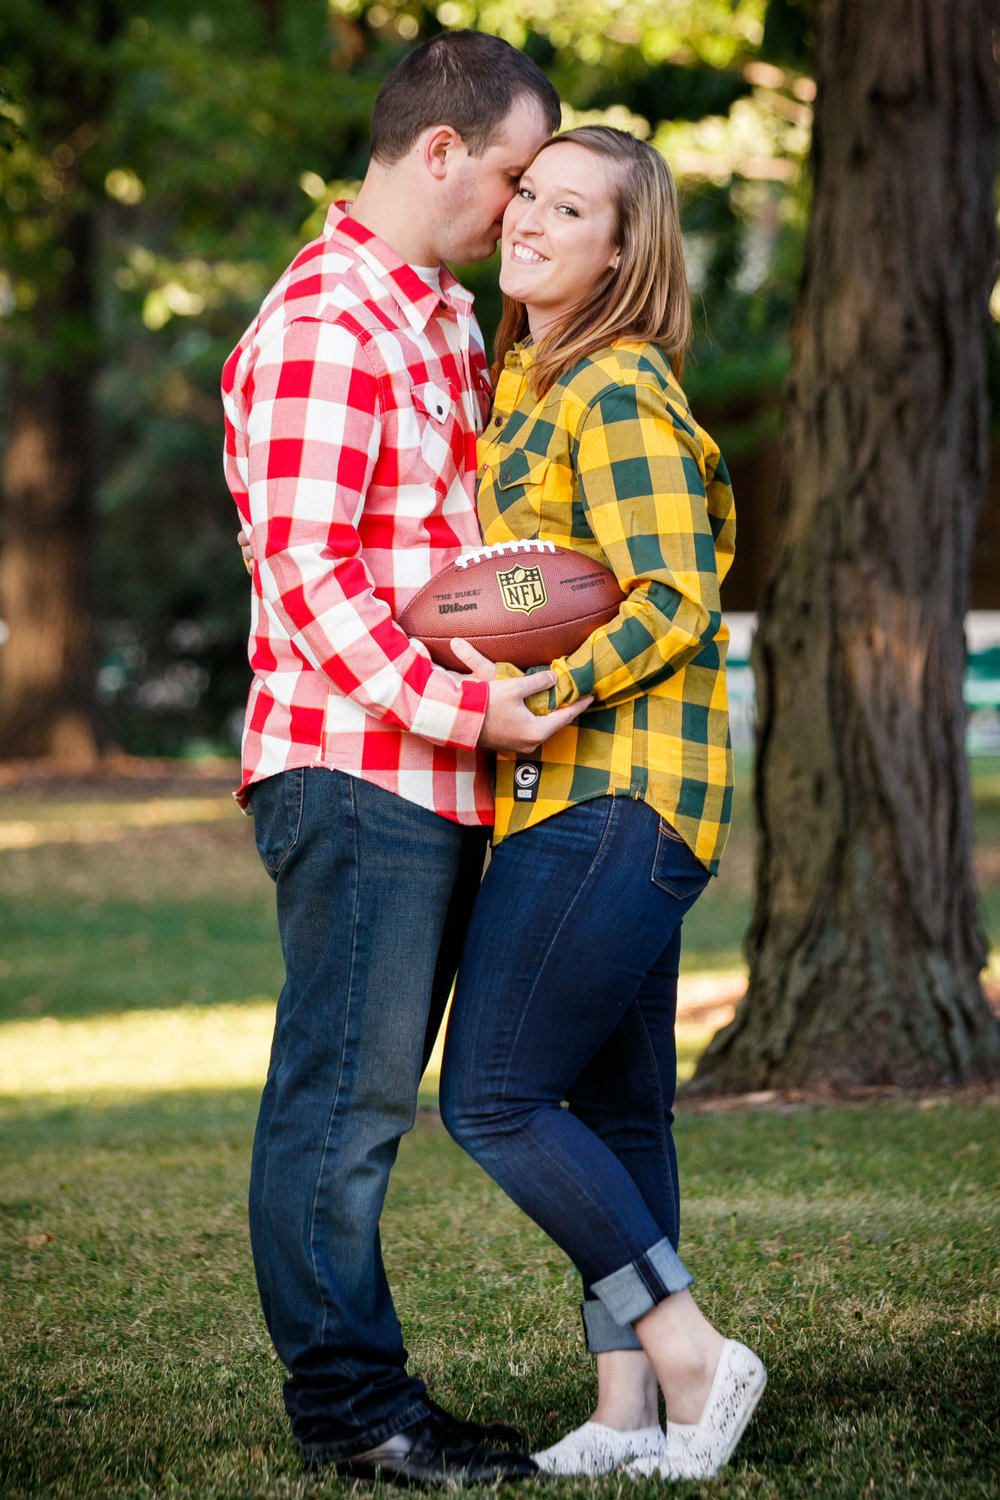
{"points": [[523, 602]]}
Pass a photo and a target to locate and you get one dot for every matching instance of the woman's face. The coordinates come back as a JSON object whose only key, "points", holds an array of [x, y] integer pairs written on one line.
{"points": [[558, 239]]}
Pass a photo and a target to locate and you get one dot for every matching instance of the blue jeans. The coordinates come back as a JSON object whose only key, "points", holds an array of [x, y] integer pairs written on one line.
{"points": [[373, 897], [567, 991]]}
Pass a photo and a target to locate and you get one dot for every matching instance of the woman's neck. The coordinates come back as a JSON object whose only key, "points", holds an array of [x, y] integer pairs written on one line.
{"points": [[538, 323]]}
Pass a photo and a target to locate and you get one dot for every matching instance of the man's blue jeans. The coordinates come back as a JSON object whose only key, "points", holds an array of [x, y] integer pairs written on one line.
{"points": [[567, 991], [373, 896]]}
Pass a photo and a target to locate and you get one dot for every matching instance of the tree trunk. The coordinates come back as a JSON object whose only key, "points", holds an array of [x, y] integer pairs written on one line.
{"points": [[47, 705], [864, 950]]}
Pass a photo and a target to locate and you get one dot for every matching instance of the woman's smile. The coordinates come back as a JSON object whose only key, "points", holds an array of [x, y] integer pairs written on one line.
{"points": [[523, 252]]}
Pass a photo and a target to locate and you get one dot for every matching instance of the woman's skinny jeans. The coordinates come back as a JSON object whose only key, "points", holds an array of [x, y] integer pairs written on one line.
{"points": [[567, 991]]}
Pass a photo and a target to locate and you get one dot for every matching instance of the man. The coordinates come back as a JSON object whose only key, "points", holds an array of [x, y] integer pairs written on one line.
{"points": [[352, 406]]}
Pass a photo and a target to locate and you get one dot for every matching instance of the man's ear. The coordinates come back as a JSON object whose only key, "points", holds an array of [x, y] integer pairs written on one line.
{"points": [[436, 146]]}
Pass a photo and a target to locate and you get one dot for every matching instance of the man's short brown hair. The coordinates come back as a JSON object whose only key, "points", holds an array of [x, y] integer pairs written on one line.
{"points": [[465, 79]]}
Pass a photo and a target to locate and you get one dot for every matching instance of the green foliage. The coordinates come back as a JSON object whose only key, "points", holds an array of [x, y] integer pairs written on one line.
{"points": [[179, 139], [174, 160], [665, 91]]}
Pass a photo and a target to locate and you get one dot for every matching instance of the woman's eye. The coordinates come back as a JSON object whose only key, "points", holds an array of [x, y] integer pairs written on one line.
{"points": [[525, 193], [567, 208]]}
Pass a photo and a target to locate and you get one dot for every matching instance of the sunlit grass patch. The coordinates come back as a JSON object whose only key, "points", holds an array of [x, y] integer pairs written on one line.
{"points": [[103, 822], [109, 1058], [139, 1051]]}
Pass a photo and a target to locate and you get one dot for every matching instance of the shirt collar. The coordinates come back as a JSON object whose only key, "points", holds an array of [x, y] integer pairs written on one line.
{"points": [[416, 300], [521, 356]]}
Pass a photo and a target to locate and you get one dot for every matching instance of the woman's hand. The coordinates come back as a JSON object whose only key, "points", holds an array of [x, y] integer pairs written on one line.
{"points": [[244, 542], [476, 664]]}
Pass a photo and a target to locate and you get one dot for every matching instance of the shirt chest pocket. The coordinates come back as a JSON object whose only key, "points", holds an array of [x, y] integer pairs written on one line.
{"points": [[442, 442], [515, 489]]}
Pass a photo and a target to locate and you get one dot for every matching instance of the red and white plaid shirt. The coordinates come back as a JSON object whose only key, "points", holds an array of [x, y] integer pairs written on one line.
{"points": [[351, 454]]}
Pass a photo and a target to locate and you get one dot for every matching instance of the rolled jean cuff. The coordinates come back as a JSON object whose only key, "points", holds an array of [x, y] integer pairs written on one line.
{"points": [[602, 1332], [635, 1289]]}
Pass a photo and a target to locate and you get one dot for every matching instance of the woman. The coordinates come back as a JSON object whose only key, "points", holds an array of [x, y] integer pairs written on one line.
{"points": [[606, 835]]}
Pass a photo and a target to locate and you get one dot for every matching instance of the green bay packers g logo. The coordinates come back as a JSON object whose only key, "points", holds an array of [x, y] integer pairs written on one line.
{"points": [[522, 588]]}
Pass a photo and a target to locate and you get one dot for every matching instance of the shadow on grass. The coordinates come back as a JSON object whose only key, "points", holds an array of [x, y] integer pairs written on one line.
{"points": [[841, 1422], [103, 1121], [852, 1246], [71, 960], [914, 1414]]}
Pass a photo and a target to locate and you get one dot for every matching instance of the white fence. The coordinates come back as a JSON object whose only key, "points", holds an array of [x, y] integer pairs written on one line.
{"points": [[982, 681]]}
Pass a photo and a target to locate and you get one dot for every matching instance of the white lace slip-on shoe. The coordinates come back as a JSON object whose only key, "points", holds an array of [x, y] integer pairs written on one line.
{"points": [[596, 1449], [699, 1451]]}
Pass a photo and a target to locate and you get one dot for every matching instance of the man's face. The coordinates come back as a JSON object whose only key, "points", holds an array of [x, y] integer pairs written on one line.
{"points": [[480, 187]]}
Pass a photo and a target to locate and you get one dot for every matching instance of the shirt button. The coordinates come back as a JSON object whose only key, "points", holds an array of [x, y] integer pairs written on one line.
{"points": [[498, 421]]}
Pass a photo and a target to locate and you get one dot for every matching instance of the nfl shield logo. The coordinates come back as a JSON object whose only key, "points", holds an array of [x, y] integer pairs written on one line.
{"points": [[522, 588]]}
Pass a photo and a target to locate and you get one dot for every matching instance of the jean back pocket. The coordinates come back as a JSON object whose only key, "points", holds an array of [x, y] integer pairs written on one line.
{"points": [[675, 868]]}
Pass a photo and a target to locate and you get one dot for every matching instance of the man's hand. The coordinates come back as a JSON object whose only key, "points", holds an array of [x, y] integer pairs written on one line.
{"points": [[508, 724], [476, 664]]}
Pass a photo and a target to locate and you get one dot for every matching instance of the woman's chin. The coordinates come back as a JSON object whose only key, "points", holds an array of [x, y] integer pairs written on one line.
{"points": [[510, 284]]}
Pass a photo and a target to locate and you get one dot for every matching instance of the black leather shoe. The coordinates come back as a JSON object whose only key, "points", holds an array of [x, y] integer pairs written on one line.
{"points": [[436, 1455], [493, 1434]]}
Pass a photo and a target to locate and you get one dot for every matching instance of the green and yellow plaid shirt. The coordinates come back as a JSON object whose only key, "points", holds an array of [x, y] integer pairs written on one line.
{"points": [[612, 464]]}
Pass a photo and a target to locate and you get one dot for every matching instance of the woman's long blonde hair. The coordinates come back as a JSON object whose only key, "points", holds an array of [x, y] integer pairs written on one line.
{"points": [[646, 296]]}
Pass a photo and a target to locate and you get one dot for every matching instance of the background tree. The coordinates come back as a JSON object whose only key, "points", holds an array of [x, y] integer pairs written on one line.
{"points": [[864, 949], [49, 223], [153, 170]]}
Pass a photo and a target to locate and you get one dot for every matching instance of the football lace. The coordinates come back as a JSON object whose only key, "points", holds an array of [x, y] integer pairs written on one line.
{"points": [[503, 549]]}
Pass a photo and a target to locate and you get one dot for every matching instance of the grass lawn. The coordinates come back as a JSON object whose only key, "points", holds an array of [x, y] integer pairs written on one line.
{"points": [[855, 1247]]}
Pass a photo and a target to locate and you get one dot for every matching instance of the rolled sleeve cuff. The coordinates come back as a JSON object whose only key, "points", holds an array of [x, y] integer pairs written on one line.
{"points": [[566, 690], [539, 703], [635, 1289]]}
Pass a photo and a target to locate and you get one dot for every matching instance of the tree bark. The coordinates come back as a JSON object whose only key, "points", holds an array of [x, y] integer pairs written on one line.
{"points": [[47, 704], [864, 950]]}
